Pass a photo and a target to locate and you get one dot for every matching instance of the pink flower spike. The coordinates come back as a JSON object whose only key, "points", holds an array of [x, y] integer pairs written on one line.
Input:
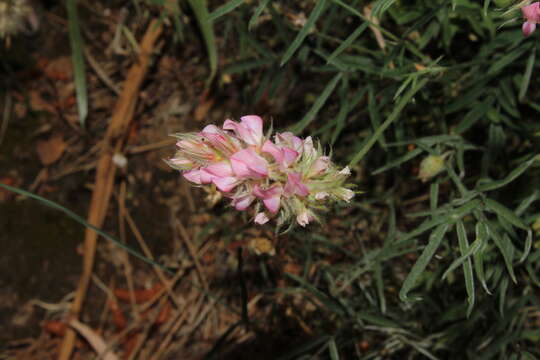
{"points": [[242, 203], [270, 197], [247, 163], [261, 218], [295, 185], [531, 13], [249, 129]]}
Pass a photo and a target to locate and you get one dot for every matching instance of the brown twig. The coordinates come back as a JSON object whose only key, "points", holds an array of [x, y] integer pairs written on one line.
{"points": [[113, 143]]}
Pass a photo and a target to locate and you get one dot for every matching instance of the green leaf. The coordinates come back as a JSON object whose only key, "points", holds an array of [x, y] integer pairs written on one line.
{"points": [[77, 58], [321, 100], [400, 160], [434, 241], [332, 349], [482, 235], [505, 213], [506, 60], [505, 247], [347, 42], [514, 174], [467, 265], [315, 14], [466, 251], [224, 9], [391, 118], [200, 9], [257, 13]]}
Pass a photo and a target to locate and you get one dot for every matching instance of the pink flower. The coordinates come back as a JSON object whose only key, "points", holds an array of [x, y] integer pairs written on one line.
{"points": [[531, 13], [247, 163], [198, 176], [271, 197], [220, 139], [304, 218], [319, 166], [242, 202], [261, 218], [222, 175], [284, 156], [295, 185], [250, 129], [289, 140]]}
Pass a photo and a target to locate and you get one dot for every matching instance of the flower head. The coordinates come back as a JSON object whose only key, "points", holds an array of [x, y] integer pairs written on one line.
{"points": [[288, 178]]}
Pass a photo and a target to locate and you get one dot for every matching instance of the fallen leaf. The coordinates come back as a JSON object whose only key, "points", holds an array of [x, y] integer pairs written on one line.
{"points": [[59, 68], [141, 296], [94, 339], [49, 151]]}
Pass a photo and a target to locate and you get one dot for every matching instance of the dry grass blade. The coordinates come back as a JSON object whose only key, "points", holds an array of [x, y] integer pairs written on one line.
{"points": [[113, 142]]}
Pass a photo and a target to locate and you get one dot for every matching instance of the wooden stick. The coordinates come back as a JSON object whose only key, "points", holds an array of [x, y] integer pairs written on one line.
{"points": [[113, 143]]}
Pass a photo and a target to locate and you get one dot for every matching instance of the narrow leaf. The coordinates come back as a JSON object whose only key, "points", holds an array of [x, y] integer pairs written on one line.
{"points": [[434, 241], [505, 213], [200, 10], [391, 118], [224, 9], [321, 100], [315, 14]]}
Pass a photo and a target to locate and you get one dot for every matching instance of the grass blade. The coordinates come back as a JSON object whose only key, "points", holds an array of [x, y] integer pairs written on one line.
{"points": [[393, 116], [200, 9], [224, 9], [257, 13], [313, 17], [418, 268], [492, 185], [82, 221], [348, 41], [321, 100], [77, 58], [332, 349], [466, 252], [505, 213], [527, 75]]}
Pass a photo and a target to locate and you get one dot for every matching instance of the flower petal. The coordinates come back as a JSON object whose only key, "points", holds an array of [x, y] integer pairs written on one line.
{"points": [[319, 166], [303, 218], [243, 202], [261, 218], [249, 129], [532, 12], [271, 197], [221, 169], [528, 28], [193, 175], [295, 185], [247, 163], [225, 184], [270, 148], [255, 124]]}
